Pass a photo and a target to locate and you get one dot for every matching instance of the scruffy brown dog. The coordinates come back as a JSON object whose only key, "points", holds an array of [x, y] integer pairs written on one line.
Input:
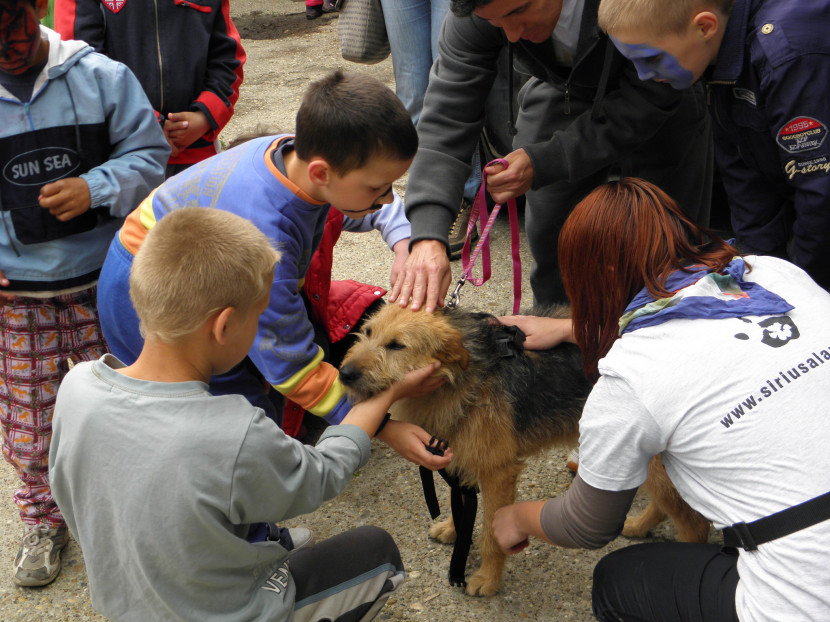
{"points": [[494, 410], [500, 405]]}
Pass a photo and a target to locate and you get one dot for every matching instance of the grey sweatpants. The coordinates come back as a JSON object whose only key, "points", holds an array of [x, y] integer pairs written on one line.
{"points": [[346, 578], [679, 159]]}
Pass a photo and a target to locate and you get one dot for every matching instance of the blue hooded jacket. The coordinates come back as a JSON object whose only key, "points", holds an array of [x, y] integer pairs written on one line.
{"points": [[87, 117]]}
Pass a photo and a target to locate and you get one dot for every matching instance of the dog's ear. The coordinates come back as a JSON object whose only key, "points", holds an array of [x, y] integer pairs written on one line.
{"points": [[453, 352]]}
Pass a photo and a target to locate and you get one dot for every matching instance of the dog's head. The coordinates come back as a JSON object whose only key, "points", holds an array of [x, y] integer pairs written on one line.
{"points": [[395, 341]]}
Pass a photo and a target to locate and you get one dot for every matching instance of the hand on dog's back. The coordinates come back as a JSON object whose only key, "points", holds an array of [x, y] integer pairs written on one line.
{"points": [[541, 333]]}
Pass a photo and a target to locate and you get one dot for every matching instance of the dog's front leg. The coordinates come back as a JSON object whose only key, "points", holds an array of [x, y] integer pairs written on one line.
{"points": [[498, 488]]}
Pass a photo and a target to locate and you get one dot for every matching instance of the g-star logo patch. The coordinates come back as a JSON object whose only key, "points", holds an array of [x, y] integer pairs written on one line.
{"points": [[801, 134], [115, 5], [816, 165]]}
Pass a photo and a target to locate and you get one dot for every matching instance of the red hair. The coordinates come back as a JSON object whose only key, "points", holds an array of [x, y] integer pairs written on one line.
{"points": [[622, 237]]}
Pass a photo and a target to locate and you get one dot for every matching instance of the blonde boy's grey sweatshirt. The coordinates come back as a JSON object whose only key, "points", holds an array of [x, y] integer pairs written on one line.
{"points": [[159, 482]]}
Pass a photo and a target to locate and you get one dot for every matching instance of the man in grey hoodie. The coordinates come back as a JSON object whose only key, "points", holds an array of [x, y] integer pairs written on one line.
{"points": [[584, 117]]}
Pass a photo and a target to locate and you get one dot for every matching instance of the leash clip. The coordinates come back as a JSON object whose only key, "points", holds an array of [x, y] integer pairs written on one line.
{"points": [[455, 297]]}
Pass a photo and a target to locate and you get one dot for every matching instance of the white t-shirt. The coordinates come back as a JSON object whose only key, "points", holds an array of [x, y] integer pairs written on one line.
{"points": [[740, 410]]}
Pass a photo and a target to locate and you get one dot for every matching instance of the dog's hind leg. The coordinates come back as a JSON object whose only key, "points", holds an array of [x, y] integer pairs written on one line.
{"points": [[639, 526], [666, 502], [498, 488]]}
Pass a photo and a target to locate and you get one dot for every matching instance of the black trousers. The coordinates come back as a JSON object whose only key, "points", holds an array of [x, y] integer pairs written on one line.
{"points": [[666, 582]]}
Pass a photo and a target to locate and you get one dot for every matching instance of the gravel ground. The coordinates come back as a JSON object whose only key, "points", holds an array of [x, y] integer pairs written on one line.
{"points": [[285, 52]]}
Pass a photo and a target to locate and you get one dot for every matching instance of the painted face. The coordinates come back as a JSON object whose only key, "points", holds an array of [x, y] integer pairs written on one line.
{"points": [[655, 64], [531, 20], [368, 188], [19, 37]]}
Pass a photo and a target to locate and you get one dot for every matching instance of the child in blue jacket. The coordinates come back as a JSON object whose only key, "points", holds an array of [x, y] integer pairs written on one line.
{"points": [[79, 147]]}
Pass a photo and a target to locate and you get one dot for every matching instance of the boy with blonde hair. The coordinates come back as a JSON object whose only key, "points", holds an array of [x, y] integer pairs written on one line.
{"points": [[160, 481], [767, 65], [353, 139]]}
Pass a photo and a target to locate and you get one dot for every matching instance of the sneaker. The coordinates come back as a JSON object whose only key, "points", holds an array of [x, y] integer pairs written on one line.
{"points": [[313, 12], [38, 561], [330, 7], [458, 230], [573, 461], [290, 538]]}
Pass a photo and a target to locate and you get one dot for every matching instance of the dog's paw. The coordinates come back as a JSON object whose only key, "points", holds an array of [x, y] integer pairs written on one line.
{"points": [[443, 531], [482, 584], [635, 528]]}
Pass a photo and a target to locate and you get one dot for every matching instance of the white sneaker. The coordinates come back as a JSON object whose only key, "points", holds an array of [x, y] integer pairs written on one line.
{"points": [[38, 561]]}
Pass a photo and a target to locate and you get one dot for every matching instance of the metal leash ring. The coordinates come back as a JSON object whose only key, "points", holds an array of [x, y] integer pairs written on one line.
{"points": [[455, 297]]}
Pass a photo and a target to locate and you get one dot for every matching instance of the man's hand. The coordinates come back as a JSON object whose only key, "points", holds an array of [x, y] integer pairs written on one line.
{"points": [[411, 441], [512, 182], [401, 250], [425, 276], [5, 296], [182, 129], [66, 198]]}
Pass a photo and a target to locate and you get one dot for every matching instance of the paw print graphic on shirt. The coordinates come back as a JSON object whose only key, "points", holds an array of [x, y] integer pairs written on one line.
{"points": [[775, 331]]}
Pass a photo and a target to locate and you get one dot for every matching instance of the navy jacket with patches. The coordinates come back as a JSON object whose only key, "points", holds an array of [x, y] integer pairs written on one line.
{"points": [[770, 100], [186, 54]]}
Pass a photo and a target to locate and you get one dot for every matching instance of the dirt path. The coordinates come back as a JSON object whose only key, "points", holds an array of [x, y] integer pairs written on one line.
{"points": [[285, 52]]}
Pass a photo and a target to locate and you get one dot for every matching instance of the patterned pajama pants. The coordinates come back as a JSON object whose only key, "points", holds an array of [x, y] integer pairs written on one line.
{"points": [[37, 336]]}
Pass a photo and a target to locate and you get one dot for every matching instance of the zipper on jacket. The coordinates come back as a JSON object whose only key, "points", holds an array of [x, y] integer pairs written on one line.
{"points": [[158, 51], [567, 97]]}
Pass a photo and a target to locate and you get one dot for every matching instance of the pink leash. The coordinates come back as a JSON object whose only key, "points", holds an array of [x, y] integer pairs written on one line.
{"points": [[479, 211]]}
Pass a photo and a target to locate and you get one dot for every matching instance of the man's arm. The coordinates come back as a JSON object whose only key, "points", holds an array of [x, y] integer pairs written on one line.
{"points": [[448, 133], [626, 118]]}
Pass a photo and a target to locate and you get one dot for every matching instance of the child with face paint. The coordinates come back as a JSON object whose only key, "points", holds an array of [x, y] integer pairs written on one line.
{"points": [[79, 147], [353, 139], [767, 66]]}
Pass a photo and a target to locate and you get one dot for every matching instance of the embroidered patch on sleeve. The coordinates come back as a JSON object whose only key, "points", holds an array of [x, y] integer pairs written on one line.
{"points": [[816, 165], [801, 134]]}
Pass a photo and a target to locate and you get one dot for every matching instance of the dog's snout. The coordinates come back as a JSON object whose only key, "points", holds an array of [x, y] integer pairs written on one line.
{"points": [[349, 375]]}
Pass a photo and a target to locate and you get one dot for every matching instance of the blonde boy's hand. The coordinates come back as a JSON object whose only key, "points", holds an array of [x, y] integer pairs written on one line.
{"points": [[425, 277], [401, 250], [182, 129], [66, 198], [5, 296], [411, 441]]}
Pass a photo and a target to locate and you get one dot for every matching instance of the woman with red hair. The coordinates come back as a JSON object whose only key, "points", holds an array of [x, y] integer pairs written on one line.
{"points": [[719, 363]]}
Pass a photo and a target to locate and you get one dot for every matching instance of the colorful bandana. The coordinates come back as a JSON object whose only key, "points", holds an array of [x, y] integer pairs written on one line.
{"points": [[700, 293]]}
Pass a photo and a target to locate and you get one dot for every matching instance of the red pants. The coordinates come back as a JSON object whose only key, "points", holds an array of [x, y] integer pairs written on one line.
{"points": [[37, 337]]}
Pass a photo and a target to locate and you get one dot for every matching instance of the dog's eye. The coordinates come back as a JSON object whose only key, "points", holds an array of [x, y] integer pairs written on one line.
{"points": [[395, 345], [367, 332]]}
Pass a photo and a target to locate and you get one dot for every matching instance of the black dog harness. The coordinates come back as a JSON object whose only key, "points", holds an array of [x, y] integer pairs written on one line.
{"points": [[749, 535], [464, 505]]}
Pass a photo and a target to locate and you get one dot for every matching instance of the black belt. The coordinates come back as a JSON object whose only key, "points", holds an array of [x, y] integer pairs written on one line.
{"points": [[749, 535]]}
